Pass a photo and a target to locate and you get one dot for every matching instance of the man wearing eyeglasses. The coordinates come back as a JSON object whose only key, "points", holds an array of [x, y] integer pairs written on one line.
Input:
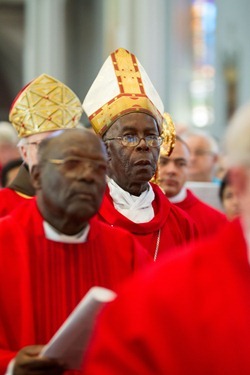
{"points": [[53, 249], [125, 109], [38, 110]]}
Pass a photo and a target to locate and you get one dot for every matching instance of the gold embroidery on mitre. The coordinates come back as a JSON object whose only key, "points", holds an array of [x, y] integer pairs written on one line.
{"points": [[132, 97], [127, 72], [169, 136], [46, 104], [119, 106]]}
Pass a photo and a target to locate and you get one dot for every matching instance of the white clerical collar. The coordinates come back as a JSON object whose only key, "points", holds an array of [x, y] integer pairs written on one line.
{"points": [[52, 234], [179, 197], [137, 209]]}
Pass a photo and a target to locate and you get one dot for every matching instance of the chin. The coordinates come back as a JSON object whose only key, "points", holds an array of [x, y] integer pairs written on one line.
{"points": [[143, 177], [82, 211]]}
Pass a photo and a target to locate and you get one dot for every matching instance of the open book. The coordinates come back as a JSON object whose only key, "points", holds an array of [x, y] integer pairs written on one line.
{"points": [[71, 340]]}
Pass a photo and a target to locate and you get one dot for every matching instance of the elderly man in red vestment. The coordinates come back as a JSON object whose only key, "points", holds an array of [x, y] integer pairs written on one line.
{"points": [[53, 249], [43, 106], [192, 315], [125, 109], [172, 176]]}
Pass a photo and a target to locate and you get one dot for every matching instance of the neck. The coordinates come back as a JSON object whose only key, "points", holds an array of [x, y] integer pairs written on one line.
{"points": [[63, 223], [134, 188]]}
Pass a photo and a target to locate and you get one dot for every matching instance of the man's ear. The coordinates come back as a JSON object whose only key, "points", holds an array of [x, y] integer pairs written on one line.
{"points": [[35, 175], [23, 152]]}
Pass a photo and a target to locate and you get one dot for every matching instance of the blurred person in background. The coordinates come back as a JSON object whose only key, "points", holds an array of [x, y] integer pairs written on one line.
{"points": [[8, 144], [188, 315], [229, 198], [43, 106], [204, 153], [172, 177]]}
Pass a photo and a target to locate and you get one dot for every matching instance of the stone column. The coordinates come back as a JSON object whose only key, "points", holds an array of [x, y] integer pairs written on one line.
{"points": [[44, 50]]}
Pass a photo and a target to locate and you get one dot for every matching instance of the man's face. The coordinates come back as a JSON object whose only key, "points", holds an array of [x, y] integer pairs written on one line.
{"points": [[29, 149], [230, 202], [173, 170], [132, 167], [202, 159], [73, 176]]}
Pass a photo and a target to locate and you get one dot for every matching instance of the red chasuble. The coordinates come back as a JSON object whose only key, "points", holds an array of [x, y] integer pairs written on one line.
{"points": [[9, 200], [17, 192], [191, 317], [207, 218], [170, 225], [42, 280]]}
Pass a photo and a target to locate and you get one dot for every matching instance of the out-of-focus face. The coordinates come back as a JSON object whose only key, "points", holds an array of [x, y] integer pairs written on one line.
{"points": [[8, 152], [132, 167], [173, 170], [71, 179], [202, 159], [230, 202], [29, 148]]}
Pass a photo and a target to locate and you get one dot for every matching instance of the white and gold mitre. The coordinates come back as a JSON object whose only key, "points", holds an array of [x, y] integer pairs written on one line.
{"points": [[45, 104], [122, 86]]}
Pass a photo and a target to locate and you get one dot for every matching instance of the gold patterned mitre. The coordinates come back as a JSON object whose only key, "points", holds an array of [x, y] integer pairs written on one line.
{"points": [[45, 104], [122, 86]]}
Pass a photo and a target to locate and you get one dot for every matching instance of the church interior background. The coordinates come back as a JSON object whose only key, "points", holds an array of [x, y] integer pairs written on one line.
{"points": [[196, 52]]}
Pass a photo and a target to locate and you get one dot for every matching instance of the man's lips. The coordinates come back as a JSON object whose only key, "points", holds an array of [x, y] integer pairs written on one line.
{"points": [[87, 196], [168, 182], [142, 162]]}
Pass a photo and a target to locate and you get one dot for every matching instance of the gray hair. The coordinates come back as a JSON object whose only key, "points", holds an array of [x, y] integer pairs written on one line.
{"points": [[8, 134]]}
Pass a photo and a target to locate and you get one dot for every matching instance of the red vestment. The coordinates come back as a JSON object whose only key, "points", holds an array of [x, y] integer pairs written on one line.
{"points": [[9, 200], [207, 219], [43, 280], [174, 225], [188, 315], [17, 192]]}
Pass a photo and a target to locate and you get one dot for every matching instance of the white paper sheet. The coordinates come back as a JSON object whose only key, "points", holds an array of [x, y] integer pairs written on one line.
{"points": [[71, 340]]}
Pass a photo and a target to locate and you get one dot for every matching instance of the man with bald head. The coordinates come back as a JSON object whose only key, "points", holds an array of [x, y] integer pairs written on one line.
{"points": [[204, 153], [53, 250]]}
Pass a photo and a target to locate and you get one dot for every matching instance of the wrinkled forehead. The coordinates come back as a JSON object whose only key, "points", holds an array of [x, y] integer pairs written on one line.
{"points": [[135, 122]]}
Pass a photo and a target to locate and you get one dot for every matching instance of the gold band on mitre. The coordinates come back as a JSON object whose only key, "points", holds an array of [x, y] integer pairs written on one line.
{"points": [[46, 104], [122, 104], [168, 134], [128, 89]]}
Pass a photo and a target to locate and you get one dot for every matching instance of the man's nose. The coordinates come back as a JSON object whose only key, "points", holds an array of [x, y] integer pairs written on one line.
{"points": [[85, 172], [142, 144]]}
